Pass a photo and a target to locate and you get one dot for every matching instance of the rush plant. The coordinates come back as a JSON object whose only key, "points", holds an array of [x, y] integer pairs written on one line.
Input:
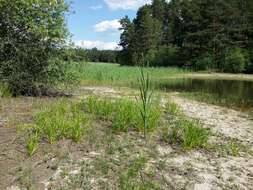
{"points": [[146, 94]]}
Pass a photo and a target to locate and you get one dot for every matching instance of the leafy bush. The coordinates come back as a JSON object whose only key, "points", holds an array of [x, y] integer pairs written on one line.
{"points": [[235, 61], [123, 114], [249, 61], [164, 56], [60, 120], [31, 34], [204, 62]]}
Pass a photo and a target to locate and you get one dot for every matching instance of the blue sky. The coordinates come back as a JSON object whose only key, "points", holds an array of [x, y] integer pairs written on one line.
{"points": [[94, 23]]}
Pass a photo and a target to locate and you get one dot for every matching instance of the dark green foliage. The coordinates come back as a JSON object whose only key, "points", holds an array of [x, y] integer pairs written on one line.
{"points": [[235, 61], [91, 55], [166, 55], [205, 62], [31, 34], [192, 33], [126, 42], [249, 61]]}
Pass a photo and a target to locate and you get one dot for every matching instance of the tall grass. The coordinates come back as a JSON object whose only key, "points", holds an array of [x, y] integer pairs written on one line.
{"points": [[115, 74], [145, 98], [60, 120]]}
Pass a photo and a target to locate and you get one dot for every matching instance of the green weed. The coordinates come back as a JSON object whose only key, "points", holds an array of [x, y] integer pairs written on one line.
{"points": [[231, 148], [60, 120], [172, 108], [5, 91], [194, 135], [25, 178], [182, 131], [123, 114], [134, 178], [102, 108], [32, 144]]}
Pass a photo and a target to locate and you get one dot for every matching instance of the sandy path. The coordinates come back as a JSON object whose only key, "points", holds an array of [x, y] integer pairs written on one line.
{"points": [[228, 122]]}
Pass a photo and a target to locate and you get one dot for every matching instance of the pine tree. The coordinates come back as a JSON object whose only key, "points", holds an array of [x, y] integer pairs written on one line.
{"points": [[148, 31], [126, 40]]}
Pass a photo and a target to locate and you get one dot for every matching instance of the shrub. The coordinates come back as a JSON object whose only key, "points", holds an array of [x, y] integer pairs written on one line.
{"points": [[235, 61], [30, 42], [249, 61], [204, 62], [164, 56]]}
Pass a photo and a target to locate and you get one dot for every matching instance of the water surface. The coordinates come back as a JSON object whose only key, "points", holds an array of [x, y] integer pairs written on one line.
{"points": [[233, 93]]}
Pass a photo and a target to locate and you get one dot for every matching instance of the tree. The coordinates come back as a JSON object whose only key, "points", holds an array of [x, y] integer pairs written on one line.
{"points": [[147, 31], [126, 41], [31, 34], [159, 9], [203, 32]]}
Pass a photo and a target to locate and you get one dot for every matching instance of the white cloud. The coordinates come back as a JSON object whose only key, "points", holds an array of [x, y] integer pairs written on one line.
{"points": [[86, 44], [96, 7], [126, 4], [108, 26]]}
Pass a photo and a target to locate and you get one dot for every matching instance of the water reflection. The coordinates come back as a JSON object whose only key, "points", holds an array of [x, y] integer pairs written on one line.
{"points": [[234, 92]]}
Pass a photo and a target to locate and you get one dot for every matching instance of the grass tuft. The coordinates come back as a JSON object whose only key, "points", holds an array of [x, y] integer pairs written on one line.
{"points": [[185, 132], [134, 176], [123, 114], [55, 122]]}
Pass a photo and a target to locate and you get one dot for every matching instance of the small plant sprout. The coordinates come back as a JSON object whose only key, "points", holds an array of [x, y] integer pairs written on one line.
{"points": [[32, 144]]}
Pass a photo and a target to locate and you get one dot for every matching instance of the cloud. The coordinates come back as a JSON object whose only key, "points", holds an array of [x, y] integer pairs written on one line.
{"points": [[87, 44], [108, 26], [126, 4], [96, 7]]}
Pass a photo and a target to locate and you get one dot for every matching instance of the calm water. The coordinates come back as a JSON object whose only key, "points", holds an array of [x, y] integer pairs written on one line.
{"points": [[230, 92]]}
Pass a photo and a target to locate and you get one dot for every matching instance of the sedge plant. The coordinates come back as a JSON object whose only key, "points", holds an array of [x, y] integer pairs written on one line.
{"points": [[146, 94]]}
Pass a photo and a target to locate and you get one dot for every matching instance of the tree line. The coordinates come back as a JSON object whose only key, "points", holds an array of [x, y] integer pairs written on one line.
{"points": [[91, 55], [200, 34]]}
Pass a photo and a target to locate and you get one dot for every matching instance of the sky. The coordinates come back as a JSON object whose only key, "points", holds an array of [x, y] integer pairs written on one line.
{"points": [[95, 23]]}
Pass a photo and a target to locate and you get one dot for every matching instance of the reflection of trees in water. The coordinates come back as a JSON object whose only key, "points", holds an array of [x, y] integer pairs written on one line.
{"points": [[234, 91]]}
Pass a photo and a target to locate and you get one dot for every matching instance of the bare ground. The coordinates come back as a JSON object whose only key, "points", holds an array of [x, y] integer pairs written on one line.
{"points": [[102, 158], [226, 121]]}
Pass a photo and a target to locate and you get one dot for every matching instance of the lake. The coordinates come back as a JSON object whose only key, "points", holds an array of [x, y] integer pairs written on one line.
{"points": [[232, 93]]}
